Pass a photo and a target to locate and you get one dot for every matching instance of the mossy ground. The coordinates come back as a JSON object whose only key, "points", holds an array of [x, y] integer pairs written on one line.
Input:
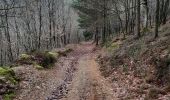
{"points": [[8, 78], [39, 59], [9, 96]]}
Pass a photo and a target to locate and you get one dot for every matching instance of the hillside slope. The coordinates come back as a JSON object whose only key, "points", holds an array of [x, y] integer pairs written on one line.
{"points": [[139, 68]]}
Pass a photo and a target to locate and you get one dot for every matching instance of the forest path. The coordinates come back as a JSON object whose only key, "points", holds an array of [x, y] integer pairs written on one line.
{"points": [[75, 77], [88, 84]]}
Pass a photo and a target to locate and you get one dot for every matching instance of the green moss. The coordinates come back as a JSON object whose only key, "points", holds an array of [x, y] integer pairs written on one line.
{"points": [[25, 56], [3, 71], [38, 66], [8, 74], [113, 46], [6, 71], [9, 96], [45, 59], [53, 54], [8, 77], [25, 59], [12, 79]]}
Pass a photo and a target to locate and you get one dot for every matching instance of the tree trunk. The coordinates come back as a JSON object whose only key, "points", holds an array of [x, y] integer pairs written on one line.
{"points": [[157, 18], [138, 19], [145, 5], [7, 34]]}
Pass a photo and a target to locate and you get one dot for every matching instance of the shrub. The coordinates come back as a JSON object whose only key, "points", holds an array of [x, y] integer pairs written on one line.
{"points": [[25, 59], [45, 59]]}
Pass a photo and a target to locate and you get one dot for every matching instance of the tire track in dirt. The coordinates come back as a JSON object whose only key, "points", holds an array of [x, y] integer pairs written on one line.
{"points": [[62, 90], [88, 84], [75, 77]]}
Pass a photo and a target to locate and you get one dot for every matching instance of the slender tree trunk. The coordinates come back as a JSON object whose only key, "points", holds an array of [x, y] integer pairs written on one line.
{"points": [[165, 12], [40, 25], [145, 6], [138, 19], [157, 18], [97, 36], [18, 38], [7, 34], [1, 50], [104, 25]]}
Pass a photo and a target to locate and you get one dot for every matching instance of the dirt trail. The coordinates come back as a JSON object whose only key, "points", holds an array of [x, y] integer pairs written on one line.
{"points": [[75, 77], [88, 84]]}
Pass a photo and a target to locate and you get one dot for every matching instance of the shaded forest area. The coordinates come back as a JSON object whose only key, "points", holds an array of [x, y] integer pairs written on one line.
{"points": [[110, 18], [135, 37]]}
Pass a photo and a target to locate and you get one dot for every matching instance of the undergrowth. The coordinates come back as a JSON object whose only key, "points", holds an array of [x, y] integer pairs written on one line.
{"points": [[8, 82]]}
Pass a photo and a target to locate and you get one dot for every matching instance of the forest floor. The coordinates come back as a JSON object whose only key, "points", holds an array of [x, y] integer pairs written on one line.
{"points": [[127, 69], [74, 77]]}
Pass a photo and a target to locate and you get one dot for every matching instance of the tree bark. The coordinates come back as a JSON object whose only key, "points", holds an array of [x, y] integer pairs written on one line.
{"points": [[138, 19], [157, 18]]}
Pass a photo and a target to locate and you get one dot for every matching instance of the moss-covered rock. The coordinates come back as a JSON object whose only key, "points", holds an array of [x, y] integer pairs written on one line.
{"points": [[4, 71], [25, 56], [8, 83], [8, 75], [24, 59], [42, 59], [54, 54], [45, 59]]}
